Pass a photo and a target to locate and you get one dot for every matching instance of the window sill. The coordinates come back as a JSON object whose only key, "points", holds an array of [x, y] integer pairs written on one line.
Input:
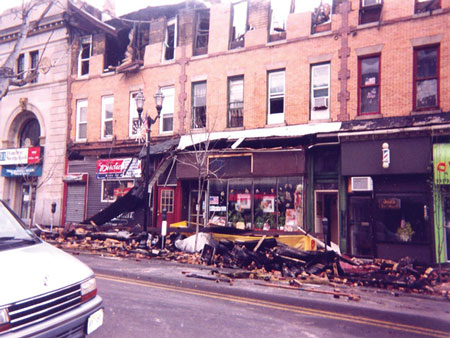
{"points": [[235, 128], [275, 43], [168, 62], [319, 121], [110, 139], [368, 25], [199, 57], [83, 77], [109, 73], [427, 13], [426, 112], [321, 34], [369, 116], [272, 125]]}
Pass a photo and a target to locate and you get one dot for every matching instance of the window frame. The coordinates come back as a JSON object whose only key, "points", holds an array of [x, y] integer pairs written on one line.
{"points": [[240, 115], [84, 40], [34, 62], [419, 10], [361, 86], [82, 103], [280, 34], [105, 120], [416, 79], [102, 194], [201, 15], [20, 65], [168, 108], [171, 22], [237, 41], [169, 200], [193, 115], [133, 122], [275, 118], [323, 114]]}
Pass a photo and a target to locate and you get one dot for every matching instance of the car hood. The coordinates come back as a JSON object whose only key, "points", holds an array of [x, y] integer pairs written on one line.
{"points": [[37, 269]]}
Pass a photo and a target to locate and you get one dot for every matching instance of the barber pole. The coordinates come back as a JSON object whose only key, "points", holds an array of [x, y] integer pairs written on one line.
{"points": [[386, 155]]}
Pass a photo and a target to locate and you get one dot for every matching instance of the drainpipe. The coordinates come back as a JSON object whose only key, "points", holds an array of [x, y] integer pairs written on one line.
{"points": [[344, 53]]}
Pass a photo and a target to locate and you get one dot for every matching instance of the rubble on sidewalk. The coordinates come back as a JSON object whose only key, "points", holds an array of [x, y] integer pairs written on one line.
{"points": [[264, 258]]}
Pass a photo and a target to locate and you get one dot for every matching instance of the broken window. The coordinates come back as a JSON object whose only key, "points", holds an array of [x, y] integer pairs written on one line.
{"points": [[170, 40], [370, 11], [422, 6], [321, 18], [199, 105], [107, 116], [276, 97], [279, 11], [134, 123], [201, 33], [426, 78], [81, 126], [235, 102], [21, 66], [112, 189], [34, 61], [167, 111], [238, 24], [135, 40], [84, 55], [320, 91]]}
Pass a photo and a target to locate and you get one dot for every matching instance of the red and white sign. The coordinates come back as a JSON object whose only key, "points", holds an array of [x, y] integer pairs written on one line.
{"points": [[118, 168], [20, 156]]}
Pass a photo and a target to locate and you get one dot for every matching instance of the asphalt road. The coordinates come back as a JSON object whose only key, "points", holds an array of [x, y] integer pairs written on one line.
{"points": [[145, 308]]}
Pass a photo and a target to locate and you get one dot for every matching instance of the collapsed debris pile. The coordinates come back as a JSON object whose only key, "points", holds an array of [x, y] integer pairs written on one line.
{"points": [[263, 258]]}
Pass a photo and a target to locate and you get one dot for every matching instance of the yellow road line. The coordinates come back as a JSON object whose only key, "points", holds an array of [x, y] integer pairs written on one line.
{"points": [[285, 307]]}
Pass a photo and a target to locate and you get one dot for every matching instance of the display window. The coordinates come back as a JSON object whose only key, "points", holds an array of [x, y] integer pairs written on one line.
{"points": [[112, 189], [401, 219], [272, 203]]}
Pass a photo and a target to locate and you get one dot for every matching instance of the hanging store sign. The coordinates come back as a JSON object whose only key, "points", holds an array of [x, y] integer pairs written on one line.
{"points": [[118, 168], [34, 170], [441, 163], [20, 156]]}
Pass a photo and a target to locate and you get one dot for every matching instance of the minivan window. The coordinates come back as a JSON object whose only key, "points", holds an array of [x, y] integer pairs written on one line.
{"points": [[12, 232]]}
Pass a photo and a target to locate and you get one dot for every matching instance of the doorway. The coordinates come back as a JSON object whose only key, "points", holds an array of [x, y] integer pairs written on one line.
{"points": [[193, 196], [28, 198], [326, 207], [166, 200]]}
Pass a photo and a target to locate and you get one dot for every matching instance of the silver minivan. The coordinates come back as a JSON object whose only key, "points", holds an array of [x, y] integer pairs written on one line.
{"points": [[44, 292]]}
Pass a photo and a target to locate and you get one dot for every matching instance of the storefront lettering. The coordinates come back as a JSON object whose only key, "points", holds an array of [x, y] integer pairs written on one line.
{"points": [[441, 166]]}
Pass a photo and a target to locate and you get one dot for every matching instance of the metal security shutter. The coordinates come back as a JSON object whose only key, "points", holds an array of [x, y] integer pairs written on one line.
{"points": [[75, 203]]}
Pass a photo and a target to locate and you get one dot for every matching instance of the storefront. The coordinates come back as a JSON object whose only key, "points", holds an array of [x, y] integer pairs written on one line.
{"points": [[389, 197], [441, 189], [255, 190]]}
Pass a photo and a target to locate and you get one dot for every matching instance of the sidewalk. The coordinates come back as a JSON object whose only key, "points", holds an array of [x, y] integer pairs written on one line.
{"points": [[368, 301]]}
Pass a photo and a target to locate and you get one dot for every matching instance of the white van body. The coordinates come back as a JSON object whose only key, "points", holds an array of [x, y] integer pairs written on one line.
{"points": [[44, 292]]}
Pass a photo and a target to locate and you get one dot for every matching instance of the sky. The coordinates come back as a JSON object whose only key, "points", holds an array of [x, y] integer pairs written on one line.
{"points": [[126, 6]]}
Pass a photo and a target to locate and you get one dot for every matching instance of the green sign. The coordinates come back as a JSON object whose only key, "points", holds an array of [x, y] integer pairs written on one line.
{"points": [[441, 163]]}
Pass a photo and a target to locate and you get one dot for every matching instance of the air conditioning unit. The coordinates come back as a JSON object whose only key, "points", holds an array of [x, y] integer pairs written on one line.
{"points": [[320, 103], [361, 184], [369, 3]]}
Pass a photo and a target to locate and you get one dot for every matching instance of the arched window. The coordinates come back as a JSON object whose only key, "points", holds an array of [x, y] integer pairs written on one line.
{"points": [[30, 133]]}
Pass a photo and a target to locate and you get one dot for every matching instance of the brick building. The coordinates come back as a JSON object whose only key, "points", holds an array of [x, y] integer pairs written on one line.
{"points": [[304, 117]]}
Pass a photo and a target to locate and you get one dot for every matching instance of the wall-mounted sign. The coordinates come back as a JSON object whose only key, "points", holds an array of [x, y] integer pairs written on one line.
{"points": [[118, 168], [20, 156], [34, 170], [389, 203], [441, 163]]}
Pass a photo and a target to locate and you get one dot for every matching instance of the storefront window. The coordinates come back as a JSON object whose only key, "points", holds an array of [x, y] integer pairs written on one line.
{"points": [[260, 203], [111, 189], [401, 219]]}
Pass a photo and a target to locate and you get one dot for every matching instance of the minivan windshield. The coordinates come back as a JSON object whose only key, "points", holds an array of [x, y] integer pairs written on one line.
{"points": [[11, 229]]}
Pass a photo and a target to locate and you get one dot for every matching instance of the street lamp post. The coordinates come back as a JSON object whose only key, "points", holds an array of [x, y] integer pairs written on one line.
{"points": [[140, 99]]}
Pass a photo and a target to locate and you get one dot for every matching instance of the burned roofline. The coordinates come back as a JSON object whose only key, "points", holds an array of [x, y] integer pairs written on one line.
{"points": [[419, 120], [80, 13]]}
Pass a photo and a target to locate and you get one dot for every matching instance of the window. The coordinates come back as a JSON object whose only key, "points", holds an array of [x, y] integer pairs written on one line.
{"points": [[426, 79], [168, 108], [201, 33], [369, 85], [134, 116], [321, 18], [21, 67], [276, 97], [279, 11], [112, 189], [167, 200], [199, 105], [422, 6], [107, 116], [370, 11], [235, 102], [84, 55], [81, 127], [34, 61], [320, 91], [238, 24], [170, 41]]}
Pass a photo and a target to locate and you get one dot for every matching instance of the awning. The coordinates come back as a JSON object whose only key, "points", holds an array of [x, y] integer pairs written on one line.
{"points": [[235, 135]]}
